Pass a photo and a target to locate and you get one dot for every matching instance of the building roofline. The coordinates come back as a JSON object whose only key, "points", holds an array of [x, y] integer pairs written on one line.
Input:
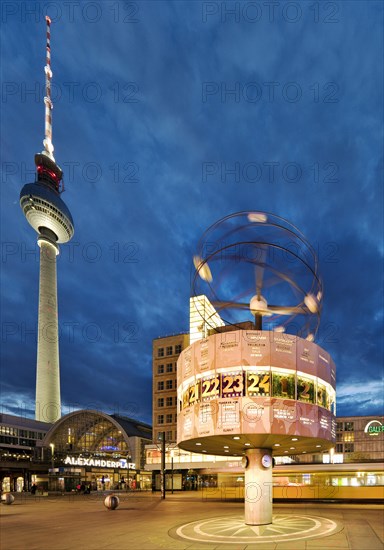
{"points": [[359, 417], [184, 333], [24, 421]]}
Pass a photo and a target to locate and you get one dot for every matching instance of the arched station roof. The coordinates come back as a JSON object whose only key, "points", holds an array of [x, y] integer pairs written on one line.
{"points": [[94, 431]]}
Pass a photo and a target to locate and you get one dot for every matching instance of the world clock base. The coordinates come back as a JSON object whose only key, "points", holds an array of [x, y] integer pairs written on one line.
{"points": [[258, 486]]}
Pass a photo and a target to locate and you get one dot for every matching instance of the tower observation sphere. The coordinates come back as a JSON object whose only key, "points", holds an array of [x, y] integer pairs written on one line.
{"points": [[49, 216]]}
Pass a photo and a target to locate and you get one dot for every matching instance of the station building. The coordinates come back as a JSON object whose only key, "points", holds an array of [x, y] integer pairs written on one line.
{"points": [[20, 454], [87, 448]]}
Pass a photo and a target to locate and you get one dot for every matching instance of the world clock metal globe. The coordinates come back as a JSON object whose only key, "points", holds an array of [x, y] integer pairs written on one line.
{"points": [[258, 266]]}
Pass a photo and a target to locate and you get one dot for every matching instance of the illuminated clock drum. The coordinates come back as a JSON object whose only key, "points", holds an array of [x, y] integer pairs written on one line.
{"points": [[256, 388]]}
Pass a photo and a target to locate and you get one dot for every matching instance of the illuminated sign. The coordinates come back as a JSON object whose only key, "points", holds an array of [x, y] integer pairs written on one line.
{"points": [[374, 427], [100, 462]]}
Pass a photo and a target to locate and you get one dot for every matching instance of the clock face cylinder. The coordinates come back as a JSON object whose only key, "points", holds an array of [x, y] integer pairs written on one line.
{"points": [[257, 389]]}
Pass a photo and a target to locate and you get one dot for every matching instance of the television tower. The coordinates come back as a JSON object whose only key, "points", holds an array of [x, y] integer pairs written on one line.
{"points": [[47, 213]]}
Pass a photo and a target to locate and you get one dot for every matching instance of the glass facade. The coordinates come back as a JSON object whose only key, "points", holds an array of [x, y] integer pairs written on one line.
{"points": [[96, 451], [16, 436], [89, 433]]}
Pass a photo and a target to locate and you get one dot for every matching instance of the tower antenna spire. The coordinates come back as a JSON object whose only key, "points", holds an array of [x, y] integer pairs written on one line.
{"points": [[48, 145]]}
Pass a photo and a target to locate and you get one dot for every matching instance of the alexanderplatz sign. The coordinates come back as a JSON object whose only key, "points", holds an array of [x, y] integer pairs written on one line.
{"points": [[100, 462]]}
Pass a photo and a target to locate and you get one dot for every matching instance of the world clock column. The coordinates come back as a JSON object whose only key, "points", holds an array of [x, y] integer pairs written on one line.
{"points": [[258, 486]]}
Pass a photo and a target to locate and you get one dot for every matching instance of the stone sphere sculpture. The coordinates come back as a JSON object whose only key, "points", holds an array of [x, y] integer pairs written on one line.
{"points": [[111, 502], [7, 498]]}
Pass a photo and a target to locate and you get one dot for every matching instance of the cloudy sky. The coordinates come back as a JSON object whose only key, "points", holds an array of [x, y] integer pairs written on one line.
{"points": [[169, 115]]}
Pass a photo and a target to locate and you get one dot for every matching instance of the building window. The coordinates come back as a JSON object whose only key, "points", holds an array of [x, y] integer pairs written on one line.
{"points": [[160, 385], [339, 447], [8, 440], [169, 367], [169, 418], [348, 426], [9, 431], [160, 419], [169, 350], [348, 447], [160, 352], [178, 349], [160, 402], [169, 436], [349, 437], [169, 384], [339, 426], [160, 369], [169, 401]]}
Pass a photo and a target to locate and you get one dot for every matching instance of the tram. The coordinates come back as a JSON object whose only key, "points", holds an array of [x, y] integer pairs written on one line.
{"points": [[354, 482]]}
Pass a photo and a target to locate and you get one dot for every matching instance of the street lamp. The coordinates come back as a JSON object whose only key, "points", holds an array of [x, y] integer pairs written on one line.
{"points": [[163, 478], [128, 466], [172, 471], [52, 445]]}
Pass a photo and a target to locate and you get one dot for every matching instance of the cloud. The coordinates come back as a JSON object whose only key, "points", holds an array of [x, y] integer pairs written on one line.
{"points": [[366, 401]]}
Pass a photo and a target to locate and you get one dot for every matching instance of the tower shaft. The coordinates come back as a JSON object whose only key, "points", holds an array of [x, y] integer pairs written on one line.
{"points": [[48, 402]]}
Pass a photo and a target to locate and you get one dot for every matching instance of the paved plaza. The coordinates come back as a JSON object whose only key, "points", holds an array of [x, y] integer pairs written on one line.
{"points": [[144, 521]]}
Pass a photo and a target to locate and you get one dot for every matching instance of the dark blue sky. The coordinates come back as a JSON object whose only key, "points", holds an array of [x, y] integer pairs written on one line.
{"points": [[168, 116]]}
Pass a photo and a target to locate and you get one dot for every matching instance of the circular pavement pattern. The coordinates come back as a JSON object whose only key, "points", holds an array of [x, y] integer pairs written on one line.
{"points": [[232, 529]]}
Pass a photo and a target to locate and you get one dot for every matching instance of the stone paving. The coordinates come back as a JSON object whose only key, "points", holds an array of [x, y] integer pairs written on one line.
{"points": [[143, 521]]}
